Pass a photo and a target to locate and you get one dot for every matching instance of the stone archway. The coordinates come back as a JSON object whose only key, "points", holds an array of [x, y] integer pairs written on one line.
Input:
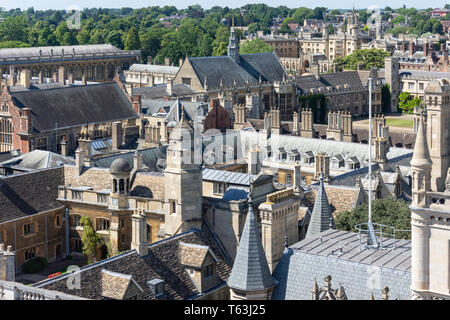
{"points": [[305, 66]]}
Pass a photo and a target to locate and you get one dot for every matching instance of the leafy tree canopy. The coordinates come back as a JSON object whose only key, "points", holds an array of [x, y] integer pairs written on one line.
{"points": [[407, 103], [255, 46], [367, 58]]}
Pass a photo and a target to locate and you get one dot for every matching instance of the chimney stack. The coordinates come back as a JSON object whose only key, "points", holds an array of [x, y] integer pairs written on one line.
{"points": [[139, 232], [295, 123], [64, 148], [116, 135], [169, 87], [254, 164], [149, 60], [40, 77], [79, 160], [26, 121], [137, 161], [62, 75], [25, 78], [137, 105]]}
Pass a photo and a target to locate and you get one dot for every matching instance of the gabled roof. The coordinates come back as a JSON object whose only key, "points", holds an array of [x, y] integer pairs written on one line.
{"points": [[37, 159], [321, 217], [250, 269], [75, 106], [115, 285]]}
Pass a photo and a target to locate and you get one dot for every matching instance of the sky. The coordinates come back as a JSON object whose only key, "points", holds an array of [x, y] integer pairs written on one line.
{"points": [[180, 4]]}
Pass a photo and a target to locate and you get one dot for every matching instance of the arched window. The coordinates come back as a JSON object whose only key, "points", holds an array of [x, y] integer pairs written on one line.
{"points": [[114, 185], [6, 134], [121, 186], [128, 185], [149, 233]]}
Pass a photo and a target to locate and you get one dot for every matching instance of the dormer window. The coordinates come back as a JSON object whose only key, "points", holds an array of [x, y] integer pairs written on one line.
{"points": [[308, 157], [208, 271], [156, 287]]}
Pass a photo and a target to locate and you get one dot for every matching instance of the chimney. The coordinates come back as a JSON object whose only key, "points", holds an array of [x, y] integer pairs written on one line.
{"points": [[26, 121], [116, 135], [315, 70], [139, 232], [167, 61], [79, 160], [7, 263], [64, 148], [169, 87], [62, 75], [253, 161], [137, 161], [149, 60], [25, 78], [322, 166], [297, 176], [137, 105]]}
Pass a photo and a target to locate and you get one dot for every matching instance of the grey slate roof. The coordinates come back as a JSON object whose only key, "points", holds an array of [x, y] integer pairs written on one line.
{"points": [[29, 193], [37, 159], [160, 90], [354, 79], [321, 217], [227, 176], [153, 106], [57, 50], [360, 270], [74, 106], [265, 64], [154, 68], [250, 269], [162, 262]]}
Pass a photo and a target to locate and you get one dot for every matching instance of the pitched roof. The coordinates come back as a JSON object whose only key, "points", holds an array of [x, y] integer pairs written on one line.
{"points": [[351, 266], [29, 193], [74, 106], [193, 255], [162, 262], [321, 217], [250, 269], [160, 90], [57, 50], [115, 285], [154, 68], [37, 159]]}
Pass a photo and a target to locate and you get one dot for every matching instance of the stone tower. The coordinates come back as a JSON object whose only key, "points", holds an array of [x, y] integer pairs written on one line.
{"points": [[250, 277], [307, 123], [438, 123], [233, 46], [183, 181], [391, 74]]}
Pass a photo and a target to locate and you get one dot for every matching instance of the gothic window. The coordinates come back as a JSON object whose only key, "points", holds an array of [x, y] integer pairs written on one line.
{"points": [[30, 253], [114, 185], [149, 233], [128, 185], [173, 206], [209, 270], [58, 221], [102, 224], [6, 134]]}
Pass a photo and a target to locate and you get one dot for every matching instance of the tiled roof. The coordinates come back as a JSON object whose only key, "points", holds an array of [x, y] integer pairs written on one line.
{"points": [[321, 217], [160, 90], [75, 106], [115, 285], [250, 269], [162, 262], [361, 271], [193, 255], [29, 193]]}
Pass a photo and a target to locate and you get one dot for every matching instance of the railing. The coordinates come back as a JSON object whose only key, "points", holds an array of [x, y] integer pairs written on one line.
{"points": [[381, 233], [10, 290]]}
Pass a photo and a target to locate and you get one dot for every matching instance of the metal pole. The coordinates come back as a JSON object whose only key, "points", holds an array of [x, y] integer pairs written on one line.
{"points": [[370, 149]]}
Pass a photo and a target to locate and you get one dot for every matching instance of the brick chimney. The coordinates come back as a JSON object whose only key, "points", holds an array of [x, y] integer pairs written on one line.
{"points": [[137, 105], [26, 122]]}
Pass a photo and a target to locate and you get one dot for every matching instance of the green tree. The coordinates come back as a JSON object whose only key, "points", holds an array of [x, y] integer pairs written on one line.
{"points": [[390, 212], [407, 103], [13, 44], [132, 41], [255, 46], [84, 36], [115, 38], [91, 240], [14, 29], [367, 58]]}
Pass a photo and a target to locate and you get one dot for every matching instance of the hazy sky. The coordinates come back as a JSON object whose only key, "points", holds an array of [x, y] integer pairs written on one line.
{"points": [[64, 4]]}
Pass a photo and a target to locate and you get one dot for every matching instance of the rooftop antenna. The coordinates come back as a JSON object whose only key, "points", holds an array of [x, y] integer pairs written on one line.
{"points": [[371, 237]]}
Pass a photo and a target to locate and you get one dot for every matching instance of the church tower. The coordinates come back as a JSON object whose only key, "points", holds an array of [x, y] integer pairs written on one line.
{"points": [[183, 181], [233, 46]]}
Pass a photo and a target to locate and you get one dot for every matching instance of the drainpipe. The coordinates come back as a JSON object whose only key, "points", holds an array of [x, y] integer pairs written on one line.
{"points": [[66, 220]]}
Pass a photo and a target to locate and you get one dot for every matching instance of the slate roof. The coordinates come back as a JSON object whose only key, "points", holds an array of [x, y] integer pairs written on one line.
{"points": [[321, 217], [250, 269], [57, 50], [37, 159], [154, 106], [162, 262], [355, 79], [193, 255], [154, 68], [115, 285], [361, 271], [25, 194], [74, 106], [250, 67], [227, 176], [160, 90]]}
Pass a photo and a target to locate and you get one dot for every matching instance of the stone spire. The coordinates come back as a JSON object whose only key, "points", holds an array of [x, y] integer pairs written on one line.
{"points": [[421, 157], [321, 217], [250, 271]]}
